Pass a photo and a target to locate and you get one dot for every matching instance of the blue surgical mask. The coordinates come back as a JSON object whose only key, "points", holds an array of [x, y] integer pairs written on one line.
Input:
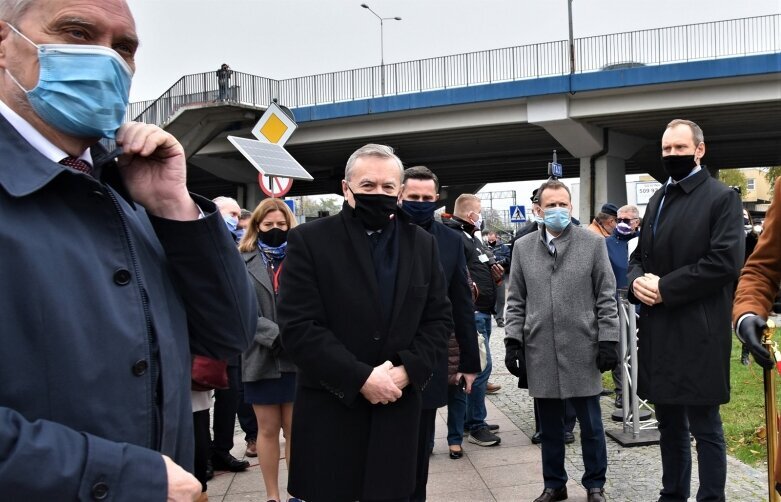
{"points": [[557, 218], [82, 90], [232, 222], [420, 212]]}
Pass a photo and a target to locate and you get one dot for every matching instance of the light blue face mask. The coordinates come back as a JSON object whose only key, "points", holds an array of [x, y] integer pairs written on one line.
{"points": [[557, 218], [232, 222], [82, 90]]}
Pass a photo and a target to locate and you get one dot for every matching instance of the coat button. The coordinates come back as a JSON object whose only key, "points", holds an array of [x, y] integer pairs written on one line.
{"points": [[98, 194], [122, 277], [341, 395], [140, 367], [99, 491], [376, 335]]}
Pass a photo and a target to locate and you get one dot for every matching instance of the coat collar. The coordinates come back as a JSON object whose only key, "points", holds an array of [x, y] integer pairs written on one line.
{"points": [[257, 269], [357, 235], [689, 183], [24, 170]]}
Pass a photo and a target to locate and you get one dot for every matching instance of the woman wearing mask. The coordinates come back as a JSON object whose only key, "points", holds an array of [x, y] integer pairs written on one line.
{"points": [[268, 375]]}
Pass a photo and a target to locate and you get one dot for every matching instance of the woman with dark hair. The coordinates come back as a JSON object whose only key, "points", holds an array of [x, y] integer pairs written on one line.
{"points": [[269, 376]]}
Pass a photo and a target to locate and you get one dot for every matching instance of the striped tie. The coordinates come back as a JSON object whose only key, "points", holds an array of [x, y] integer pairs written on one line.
{"points": [[77, 164]]}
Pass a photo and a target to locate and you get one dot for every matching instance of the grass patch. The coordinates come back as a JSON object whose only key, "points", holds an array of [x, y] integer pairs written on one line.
{"points": [[744, 415]]}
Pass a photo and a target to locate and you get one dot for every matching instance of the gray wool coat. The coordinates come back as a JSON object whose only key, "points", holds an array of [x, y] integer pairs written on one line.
{"points": [[559, 307], [259, 361]]}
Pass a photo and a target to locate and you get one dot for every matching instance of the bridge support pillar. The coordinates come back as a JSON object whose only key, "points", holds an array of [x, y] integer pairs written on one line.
{"points": [[250, 195]]}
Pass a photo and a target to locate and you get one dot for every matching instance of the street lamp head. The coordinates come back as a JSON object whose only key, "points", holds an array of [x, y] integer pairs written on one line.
{"points": [[364, 6], [397, 18]]}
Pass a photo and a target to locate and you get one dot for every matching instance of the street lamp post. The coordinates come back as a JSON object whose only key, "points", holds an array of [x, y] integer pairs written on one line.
{"points": [[382, 43]]}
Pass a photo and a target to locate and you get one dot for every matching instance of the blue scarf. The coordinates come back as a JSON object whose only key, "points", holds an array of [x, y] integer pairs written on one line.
{"points": [[270, 254]]}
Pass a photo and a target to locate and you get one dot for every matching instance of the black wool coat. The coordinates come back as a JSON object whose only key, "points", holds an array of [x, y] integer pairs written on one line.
{"points": [[697, 250], [343, 447]]}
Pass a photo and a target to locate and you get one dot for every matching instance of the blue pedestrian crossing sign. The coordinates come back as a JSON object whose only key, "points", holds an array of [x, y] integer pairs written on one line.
{"points": [[517, 214]]}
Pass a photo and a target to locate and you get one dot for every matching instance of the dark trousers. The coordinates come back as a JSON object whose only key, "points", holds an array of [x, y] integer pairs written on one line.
{"points": [[226, 402], [201, 430], [676, 422], [592, 441], [425, 438], [569, 417]]}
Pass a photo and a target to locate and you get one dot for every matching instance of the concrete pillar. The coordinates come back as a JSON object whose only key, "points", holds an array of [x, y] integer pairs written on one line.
{"points": [[249, 195], [609, 181]]}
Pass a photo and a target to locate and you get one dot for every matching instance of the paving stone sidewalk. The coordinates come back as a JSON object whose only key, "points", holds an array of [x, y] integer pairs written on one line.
{"points": [[512, 471]]}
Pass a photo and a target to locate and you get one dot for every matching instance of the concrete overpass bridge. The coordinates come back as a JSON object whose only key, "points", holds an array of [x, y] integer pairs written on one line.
{"points": [[497, 115]]}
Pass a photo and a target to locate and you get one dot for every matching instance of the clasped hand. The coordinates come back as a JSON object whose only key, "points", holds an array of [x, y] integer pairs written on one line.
{"points": [[385, 383], [646, 289]]}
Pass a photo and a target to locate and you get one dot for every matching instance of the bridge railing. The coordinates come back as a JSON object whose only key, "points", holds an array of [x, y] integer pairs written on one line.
{"points": [[713, 40]]}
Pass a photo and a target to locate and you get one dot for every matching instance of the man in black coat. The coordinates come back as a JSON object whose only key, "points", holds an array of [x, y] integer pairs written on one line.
{"points": [[364, 315], [418, 199], [485, 273], [683, 273]]}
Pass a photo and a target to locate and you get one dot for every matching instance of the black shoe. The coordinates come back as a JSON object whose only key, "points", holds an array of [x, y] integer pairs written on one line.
{"points": [[484, 437], [537, 438], [596, 495], [209, 470], [619, 402], [569, 438], [227, 462], [553, 494], [456, 454], [493, 427], [499, 323]]}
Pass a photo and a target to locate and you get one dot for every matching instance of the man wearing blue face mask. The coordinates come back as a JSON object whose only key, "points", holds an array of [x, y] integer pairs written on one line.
{"points": [[419, 195], [124, 267], [561, 331]]}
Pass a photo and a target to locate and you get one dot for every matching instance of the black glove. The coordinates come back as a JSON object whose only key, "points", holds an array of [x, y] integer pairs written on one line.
{"points": [[751, 329], [514, 358], [607, 357]]}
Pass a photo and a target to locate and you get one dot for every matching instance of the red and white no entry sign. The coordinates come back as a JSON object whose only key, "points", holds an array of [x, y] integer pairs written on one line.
{"points": [[280, 187]]}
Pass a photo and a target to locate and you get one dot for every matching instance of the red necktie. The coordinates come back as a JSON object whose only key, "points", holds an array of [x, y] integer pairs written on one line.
{"points": [[77, 164]]}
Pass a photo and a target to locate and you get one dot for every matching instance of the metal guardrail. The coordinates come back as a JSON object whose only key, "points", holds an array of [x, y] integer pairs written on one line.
{"points": [[704, 41]]}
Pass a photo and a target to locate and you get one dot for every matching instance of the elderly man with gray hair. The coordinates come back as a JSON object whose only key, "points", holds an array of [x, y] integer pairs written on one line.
{"points": [[562, 331], [364, 314]]}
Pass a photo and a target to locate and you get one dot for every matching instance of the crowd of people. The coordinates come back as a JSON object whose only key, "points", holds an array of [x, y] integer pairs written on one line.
{"points": [[345, 334]]}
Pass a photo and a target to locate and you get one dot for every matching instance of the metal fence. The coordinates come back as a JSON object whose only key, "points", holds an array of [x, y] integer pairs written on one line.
{"points": [[719, 39]]}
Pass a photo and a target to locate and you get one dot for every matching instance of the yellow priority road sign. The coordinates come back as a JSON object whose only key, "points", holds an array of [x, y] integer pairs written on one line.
{"points": [[275, 126]]}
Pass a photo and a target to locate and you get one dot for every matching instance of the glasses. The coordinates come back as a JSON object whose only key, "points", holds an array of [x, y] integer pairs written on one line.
{"points": [[626, 220]]}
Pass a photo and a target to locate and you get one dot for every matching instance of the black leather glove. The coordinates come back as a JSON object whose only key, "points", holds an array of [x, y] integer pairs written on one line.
{"points": [[750, 333], [514, 358], [607, 357]]}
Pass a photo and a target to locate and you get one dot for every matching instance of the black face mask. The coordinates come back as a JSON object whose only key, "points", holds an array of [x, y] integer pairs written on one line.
{"points": [[678, 166], [375, 209], [273, 238]]}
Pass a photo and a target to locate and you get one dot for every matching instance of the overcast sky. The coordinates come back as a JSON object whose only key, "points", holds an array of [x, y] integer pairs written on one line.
{"points": [[289, 38]]}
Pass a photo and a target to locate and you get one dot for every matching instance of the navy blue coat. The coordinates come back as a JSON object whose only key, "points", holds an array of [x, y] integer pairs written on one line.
{"points": [[453, 260], [100, 304]]}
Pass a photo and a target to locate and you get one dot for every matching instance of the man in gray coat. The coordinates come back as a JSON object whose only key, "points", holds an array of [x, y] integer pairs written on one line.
{"points": [[561, 330]]}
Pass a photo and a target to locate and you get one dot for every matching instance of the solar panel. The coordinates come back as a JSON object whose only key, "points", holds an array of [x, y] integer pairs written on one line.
{"points": [[270, 159]]}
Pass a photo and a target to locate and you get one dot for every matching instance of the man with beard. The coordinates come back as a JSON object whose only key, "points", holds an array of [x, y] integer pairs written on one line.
{"points": [[418, 199]]}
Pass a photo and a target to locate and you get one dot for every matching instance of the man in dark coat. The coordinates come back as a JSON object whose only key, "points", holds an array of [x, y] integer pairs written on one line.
{"points": [[485, 273], [418, 199], [103, 301], [683, 273], [364, 315]]}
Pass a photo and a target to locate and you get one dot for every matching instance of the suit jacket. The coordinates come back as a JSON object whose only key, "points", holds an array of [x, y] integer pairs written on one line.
{"points": [[264, 358], [100, 304], [761, 275], [329, 314], [453, 262], [684, 343]]}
